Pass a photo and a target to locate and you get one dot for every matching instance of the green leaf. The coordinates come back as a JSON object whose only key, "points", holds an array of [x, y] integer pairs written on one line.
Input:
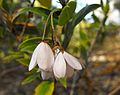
{"points": [[84, 55], [45, 3], [12, 56], [29, 79], [36, 10], [69, 27], [67, 13], [63, 81], [95, 18], [23, 61], [83, 12], [45, 88], [29, 48], [30, 44], [31, 41]]}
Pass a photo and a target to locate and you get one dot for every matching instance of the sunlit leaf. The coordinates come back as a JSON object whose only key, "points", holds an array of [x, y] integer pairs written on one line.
{"points": [[45, 88], [67, 13], [45, 3]]}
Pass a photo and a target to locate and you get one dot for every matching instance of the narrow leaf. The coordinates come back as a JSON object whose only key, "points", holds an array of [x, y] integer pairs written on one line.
{"points": [[23, 61], [83, 12], [29, 79], [35, 10]]}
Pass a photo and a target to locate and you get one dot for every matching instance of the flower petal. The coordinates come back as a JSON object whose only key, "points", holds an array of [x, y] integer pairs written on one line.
{"points": [[34, 58], [46, 75], [45, 57], [69, 71], [72, 61], [59, 67]]}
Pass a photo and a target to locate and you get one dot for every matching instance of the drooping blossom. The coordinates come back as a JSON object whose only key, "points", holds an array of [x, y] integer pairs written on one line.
{"points": [[65, 64], [43, 57]]}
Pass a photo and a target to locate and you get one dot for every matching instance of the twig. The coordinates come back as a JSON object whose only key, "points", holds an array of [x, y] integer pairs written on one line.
{"points": [[115, 91], [45, 27]]}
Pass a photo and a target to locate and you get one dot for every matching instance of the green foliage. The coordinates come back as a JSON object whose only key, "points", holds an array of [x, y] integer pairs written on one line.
{"points": [[45, 88], [45, 3], [30, 78], [64, 82], [12, 56], [67, 13], [83, 12], [36, 10], [95, 18], [24, 61], [30, 44], [68, 29], [65, 17], [105, 7]]}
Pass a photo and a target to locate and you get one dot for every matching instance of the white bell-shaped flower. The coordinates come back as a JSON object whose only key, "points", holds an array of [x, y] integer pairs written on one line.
{"points": [[43, 57], [61, 69]]}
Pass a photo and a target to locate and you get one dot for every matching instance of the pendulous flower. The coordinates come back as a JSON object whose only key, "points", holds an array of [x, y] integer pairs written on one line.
{"points": [[43, 57], [65, 64]]}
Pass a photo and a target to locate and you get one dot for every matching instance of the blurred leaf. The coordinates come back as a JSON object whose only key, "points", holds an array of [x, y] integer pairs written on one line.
{"points": [[45, 88], [83, 12], [67, 13], [45, 3], [84, 55], [95, 18], [29, 48], [23, 61], [30, 78], [63, 81], [102, 5], [84, 41], [36, 10], [12, 56], [4, 4], [105, 7], [69, 28], [32, 41]]}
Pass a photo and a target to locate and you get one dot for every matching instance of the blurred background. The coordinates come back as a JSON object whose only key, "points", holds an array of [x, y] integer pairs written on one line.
{"points": [[101, 75]]}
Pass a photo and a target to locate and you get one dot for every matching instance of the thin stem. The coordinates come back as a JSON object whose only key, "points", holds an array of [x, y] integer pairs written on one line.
{"points": [[43, 37], [53, 29]]}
